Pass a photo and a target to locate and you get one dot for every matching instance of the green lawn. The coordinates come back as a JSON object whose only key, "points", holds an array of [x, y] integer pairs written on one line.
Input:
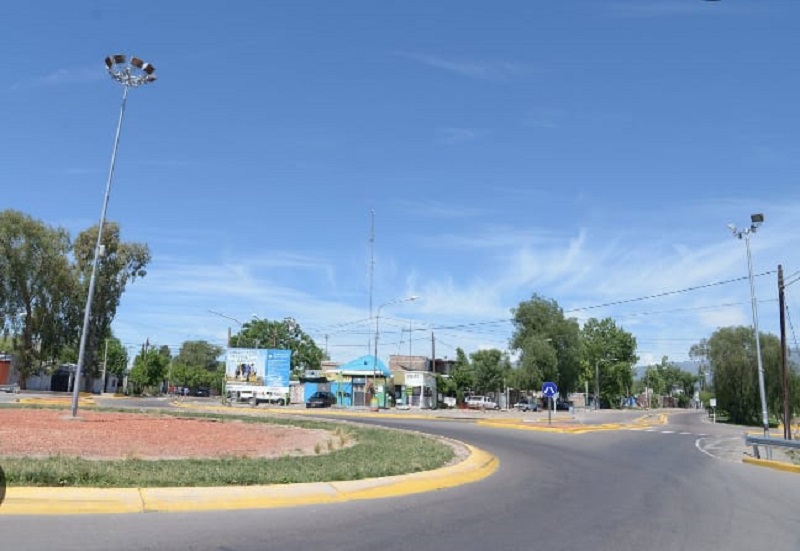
{"points": [[376, 453]]}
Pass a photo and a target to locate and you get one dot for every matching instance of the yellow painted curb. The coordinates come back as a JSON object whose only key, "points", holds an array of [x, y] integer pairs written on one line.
{"points": [[477, 466], [65, 501], [777, 465], [58, 401]]}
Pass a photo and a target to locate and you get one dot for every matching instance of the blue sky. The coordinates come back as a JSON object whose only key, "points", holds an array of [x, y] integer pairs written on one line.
{"points": [[591, 152]]}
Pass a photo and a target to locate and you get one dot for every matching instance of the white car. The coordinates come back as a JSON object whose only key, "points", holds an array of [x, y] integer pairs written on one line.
{"points": [[481, 402]]}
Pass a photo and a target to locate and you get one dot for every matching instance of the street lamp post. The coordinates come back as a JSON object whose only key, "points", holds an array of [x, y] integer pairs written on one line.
{"points": [[131, 74], [377, 332], [597, 380], [224, 389], [755, 221]]}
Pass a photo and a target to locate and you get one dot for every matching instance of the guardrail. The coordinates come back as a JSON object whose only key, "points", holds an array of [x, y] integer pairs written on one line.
{"points": [[757, 441]]}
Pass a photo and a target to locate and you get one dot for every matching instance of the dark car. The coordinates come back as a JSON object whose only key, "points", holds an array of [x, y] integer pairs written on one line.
{"points": [[202, 392], [321, 399]]}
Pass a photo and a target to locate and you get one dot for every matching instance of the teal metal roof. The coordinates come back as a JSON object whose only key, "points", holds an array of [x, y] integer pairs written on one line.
{"points": [[368, 364]]}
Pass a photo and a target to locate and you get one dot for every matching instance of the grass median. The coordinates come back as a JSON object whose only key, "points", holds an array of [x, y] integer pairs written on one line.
{"points": [[375, 452]]}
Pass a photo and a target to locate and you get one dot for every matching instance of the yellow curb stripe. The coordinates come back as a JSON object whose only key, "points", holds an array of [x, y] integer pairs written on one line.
{"points": [[777, 465], [64, 501], [477, 466], [67, 501], [55, 401]]}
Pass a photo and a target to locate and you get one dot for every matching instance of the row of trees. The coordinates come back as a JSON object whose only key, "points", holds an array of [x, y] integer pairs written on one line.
{"points": [[730, 355], [551, 347], [44, 282], [198, 365]]}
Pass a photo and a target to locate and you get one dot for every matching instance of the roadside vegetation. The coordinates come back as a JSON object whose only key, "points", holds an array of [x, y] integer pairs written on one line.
{"points": [[377, 452]]}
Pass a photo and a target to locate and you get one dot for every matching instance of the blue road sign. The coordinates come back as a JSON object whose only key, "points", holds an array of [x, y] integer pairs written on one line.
{"points": [[549, 389]]}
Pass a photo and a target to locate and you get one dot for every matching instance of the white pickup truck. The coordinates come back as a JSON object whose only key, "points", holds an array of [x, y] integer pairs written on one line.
{"points": [[481, 402], [255, 395]]}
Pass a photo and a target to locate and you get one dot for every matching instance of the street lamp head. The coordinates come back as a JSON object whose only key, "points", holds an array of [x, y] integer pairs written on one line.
{"points": [[756, 220], [131, 73]]}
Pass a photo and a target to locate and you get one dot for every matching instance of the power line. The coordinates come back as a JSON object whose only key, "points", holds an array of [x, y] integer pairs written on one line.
{"points": [[791, 325], [668, 293]]}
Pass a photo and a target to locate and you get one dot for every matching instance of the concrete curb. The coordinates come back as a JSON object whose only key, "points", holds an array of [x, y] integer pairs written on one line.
{"points": [[66, 501], [777, 465]]}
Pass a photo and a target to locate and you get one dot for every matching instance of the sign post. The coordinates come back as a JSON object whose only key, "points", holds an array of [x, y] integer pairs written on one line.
{"points": [[550, 390]]}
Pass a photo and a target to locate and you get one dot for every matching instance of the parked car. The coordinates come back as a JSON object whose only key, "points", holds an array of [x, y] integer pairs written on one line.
{"points": [[527, 405], [321, 399], [563, 405], [202, 392], [481, 402]]}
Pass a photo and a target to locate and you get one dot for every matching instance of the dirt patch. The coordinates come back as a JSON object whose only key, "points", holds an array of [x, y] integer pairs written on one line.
{"points": [[100, 435]]}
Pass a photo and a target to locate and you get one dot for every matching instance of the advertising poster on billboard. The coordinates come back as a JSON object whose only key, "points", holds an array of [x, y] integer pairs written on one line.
{"points": [[270, 368], [277, 368]]}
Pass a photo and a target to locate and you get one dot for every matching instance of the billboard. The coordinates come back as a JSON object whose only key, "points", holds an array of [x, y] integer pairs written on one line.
{"points": [[257, 366]]}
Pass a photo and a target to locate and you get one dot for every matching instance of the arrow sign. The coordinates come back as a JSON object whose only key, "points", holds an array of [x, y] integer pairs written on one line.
{"points": [[549, 389]]}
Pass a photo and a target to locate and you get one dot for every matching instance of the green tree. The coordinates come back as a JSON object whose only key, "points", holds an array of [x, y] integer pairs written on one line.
{"points": [[699, 353], [197, 365], [119, 263], [116, 358], [667, 378], [548, 344], [489, 370], [201, 354], [149, 371], [732, 354], [285, 334], [734, 367], [35, 290], [462, 375], [609, 351]]}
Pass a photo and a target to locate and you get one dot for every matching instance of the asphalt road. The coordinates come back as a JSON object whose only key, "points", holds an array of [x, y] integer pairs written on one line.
{"points": [[619, 490]]}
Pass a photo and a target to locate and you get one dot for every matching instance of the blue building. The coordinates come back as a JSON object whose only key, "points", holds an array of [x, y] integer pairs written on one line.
{"points": [[358, 381]]}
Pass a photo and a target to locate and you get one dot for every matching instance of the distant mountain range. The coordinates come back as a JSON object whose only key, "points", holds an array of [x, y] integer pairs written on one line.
{"points": [[693, 367]]}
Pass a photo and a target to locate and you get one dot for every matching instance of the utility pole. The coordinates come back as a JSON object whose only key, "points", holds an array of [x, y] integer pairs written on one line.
{"points": [[787, 413], [433, 353], [371, 268], [105, 362]]}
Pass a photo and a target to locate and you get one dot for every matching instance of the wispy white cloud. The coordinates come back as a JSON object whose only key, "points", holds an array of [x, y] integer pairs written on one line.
{"points": [[482, 70], [589, 272], [62, 76], [500, 237]]}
